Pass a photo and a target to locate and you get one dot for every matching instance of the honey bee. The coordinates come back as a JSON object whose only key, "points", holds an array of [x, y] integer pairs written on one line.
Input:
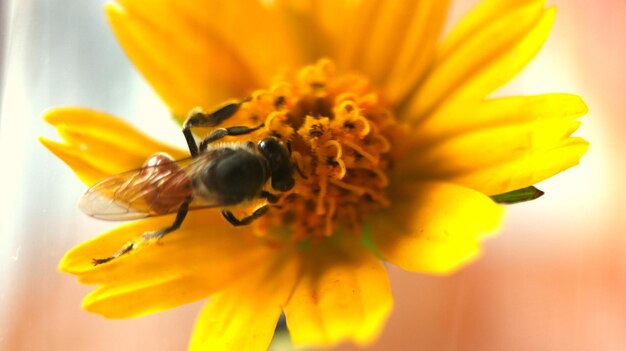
{"points": [[217, 175]]}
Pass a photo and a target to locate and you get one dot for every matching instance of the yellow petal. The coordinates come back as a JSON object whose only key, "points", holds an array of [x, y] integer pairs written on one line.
{"points": [[318, 25], [415, 38], [356, 26], [463, 118], [117, 302], [498, 145], [249, 26], [488, 59], [392, 42], [485, 11], [84, 170], [98, 144], [103, 126], [343, 295], [487, 147], [205, 255], [434, 227], [203, 52], [244, 316], [187, 65], [525, 171]]}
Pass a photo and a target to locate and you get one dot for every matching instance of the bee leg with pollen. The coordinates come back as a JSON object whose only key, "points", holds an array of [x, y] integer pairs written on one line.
{"points": [[197, 118], [149, 237]]}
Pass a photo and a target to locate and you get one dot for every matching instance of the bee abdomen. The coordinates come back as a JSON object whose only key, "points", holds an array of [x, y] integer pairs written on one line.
{"points": [[167, 184]]}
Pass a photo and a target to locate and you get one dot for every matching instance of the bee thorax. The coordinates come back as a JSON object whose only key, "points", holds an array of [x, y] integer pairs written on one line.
{"points": [[233, 176]]}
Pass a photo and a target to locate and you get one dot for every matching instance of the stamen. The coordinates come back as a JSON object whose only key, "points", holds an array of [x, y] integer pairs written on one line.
{"points": [[328, 227], [336, 160], [383, 180], [383, 143], [339, 132], [355, 189], [320, 209], [362, 152]]}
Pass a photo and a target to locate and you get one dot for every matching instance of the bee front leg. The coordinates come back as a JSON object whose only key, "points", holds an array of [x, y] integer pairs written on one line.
{"points": [[222, 132], [269, 197], [230, 217], [199, 119], [146, 238]]}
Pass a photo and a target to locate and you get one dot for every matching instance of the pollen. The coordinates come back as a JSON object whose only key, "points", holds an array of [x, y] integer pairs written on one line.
{"points": [[341, 134]]}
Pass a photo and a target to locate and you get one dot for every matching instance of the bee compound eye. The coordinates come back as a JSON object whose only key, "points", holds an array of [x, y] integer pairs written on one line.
{"points": [[270, 146]]}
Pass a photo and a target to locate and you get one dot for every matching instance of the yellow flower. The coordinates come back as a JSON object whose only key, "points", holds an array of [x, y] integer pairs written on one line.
{"points": [[399, 145]]}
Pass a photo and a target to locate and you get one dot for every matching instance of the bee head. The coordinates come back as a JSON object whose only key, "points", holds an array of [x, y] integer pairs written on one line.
{"points": [[279, 162]]}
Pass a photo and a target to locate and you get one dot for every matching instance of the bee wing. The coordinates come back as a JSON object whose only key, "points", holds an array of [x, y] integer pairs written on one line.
{"points": [[144, 192], [94, 203]]}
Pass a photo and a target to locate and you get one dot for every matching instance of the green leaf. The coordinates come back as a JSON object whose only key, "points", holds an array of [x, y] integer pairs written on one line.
{"points": [[368, 242], [519, 195]]}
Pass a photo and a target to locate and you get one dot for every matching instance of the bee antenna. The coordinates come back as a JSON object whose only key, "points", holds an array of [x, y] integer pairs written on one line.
{"points": [[297, 169]]}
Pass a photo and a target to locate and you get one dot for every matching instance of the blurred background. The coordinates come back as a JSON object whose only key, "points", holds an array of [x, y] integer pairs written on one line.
{"points": [[554, 279]]}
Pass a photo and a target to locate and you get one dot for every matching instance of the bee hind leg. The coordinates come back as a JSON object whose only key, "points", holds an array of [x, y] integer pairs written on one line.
{"points": [[230, 217], [148, 237], [128, 247]]}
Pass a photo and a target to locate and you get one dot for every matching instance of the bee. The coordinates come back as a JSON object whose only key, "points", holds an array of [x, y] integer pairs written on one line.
{"points": [[217, 175]]}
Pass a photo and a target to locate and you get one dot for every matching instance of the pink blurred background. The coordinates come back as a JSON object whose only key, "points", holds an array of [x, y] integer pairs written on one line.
{"points": [[554, 279]]}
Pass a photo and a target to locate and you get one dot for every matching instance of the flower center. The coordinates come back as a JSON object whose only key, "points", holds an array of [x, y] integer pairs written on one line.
{"points": [[341, 134]]}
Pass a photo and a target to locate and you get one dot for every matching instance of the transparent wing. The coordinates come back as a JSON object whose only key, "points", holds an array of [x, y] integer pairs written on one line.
{"points": [[153, 190]]}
